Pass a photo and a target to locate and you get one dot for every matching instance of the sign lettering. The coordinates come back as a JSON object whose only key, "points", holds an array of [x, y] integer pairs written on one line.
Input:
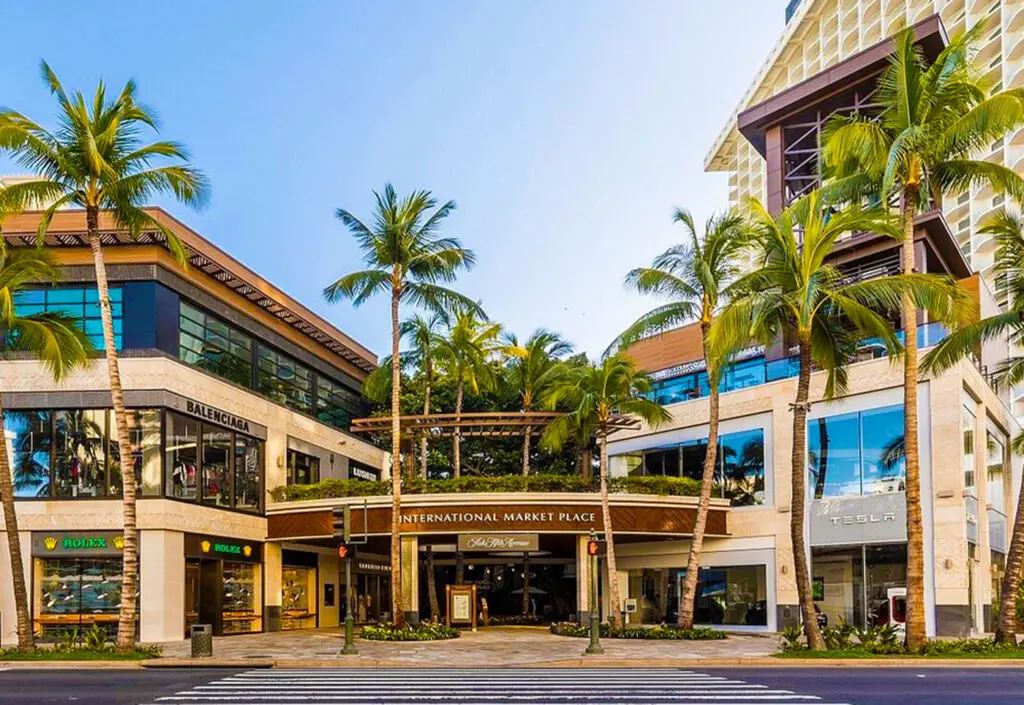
{"points": [[499, 542], [217, 416], [61, 543]]}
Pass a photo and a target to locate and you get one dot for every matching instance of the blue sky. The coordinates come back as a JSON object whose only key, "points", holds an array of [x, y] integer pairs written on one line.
{"points": [[566, 130]]}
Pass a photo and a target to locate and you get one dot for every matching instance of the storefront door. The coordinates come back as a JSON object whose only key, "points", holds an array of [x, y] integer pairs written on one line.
{"points": [[192, 594]]}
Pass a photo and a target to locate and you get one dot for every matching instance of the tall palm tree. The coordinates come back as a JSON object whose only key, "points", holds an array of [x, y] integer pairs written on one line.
{"points": [[695, 277], [916, 149], [595, 394], [795, 291], [61, 346], [97, 160], [531, 373], [465, 352], [404, 256], [1008, 229]]}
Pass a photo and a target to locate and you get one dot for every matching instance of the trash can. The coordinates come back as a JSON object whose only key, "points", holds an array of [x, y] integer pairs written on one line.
{"points": [[202, 640]]}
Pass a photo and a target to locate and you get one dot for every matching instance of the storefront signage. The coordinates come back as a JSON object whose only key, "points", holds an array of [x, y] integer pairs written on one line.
{"points": [[497, 517], [699, 365], [216, 416], [69, 543], [219, 547], [499, 542], [362, 473], [880, 518]]}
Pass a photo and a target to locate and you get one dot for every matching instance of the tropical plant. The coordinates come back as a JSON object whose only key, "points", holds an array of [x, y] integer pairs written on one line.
{"points": [[97, 160], [695, 277], [465, 353], [595, 395], [531, 372], [796, 292], [405, 256], [917, 147], [61, 346], [1008, 229]]}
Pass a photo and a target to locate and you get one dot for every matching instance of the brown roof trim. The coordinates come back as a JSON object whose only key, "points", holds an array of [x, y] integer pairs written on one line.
{"points": [[68, 230], [930, 34]]}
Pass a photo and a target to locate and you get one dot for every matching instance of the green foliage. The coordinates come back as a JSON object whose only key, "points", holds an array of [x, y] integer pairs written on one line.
{"points": [[954, 647], [96, 639], [838, 637], [425, 631], [661, 486], [791, 639], [76, 645], [884, 639], [660, 632], [515, 620]]}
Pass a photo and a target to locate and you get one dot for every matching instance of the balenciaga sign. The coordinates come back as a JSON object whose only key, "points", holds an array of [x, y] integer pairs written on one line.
{"points": [[216, 416], [499, 542], [879, 518]]}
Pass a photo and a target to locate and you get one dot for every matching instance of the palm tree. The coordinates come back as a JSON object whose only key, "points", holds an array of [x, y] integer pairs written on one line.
{"points": [[916, 149], [61, 346], [531, 373], [464, 352], [1008, 229], [97, 160], [695, 277], [595, 394], [795, 291], [405, 256]]}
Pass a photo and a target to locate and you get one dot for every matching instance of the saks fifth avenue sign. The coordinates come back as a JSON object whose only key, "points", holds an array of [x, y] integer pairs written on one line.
{"points": [[441, 519], [499, 542]]}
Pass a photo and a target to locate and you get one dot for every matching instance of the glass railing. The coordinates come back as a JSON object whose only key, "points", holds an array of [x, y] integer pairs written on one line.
{"points": [[750, 373]]}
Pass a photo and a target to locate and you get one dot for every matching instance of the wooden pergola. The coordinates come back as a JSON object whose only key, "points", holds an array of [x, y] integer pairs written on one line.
{"points": [[500, 424]]}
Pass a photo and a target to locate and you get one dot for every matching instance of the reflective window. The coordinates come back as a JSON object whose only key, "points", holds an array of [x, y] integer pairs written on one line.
{"points": [[29, 442], [303, 469], [995, 471], [80, 463], [217, 454], [144, 433], [79, 303], [734, 595], [212, 345], [247, 473], [336, 405], [856, 453], [967, 422], [182, 461], [284, 380]]}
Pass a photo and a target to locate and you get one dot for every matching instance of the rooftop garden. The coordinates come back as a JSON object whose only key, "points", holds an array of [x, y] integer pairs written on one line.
{"points": [[327, 489]]}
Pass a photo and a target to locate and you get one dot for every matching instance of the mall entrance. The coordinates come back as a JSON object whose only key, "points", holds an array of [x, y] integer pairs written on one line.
{"points": [[536, 586]]}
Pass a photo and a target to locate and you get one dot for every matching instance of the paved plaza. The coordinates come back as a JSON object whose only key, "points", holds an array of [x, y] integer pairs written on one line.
{"points": [[494, 646]]}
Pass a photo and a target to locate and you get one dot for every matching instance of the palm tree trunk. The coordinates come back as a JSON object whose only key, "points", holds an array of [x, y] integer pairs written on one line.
{"points": [[703, 504], [397, 603], [1006, 629], [586, 463], [526, 452], [457, 436], [526, 583], [916, 635], [25, 636], [798, 504], [435, 610], [429, 372], [606, 517], [130, 570]]}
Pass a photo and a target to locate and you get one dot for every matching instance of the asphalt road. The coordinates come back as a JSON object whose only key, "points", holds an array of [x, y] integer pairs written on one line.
{"points": [[764, 686]]}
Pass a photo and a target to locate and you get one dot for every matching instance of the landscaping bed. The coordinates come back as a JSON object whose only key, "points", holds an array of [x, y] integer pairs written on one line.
{"points": [[328, 489], [425, 631], [80, 654], [661, 632], [848, 642]]}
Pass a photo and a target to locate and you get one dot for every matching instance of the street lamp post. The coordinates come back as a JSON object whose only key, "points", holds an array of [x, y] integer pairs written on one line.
{"points": [[594, 647], [346, 549]]}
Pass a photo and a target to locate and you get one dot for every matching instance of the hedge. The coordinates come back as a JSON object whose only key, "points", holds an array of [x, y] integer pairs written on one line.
{"points": [[660, 632], [327, 489], [425, 631]]}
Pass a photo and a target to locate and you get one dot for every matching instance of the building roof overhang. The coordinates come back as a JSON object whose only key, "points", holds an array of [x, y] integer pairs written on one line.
{"points": [[68, 229], [753, 122]]}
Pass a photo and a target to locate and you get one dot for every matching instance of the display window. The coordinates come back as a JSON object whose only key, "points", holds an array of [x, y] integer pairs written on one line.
{"points": [[240, 590], [854, 584], [223, 584], [727, 595], [298, 598]]}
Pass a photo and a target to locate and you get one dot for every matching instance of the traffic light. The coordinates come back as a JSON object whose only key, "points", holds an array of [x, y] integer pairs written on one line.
{"points": [[593, 547], [346, 550], [340, 524]]}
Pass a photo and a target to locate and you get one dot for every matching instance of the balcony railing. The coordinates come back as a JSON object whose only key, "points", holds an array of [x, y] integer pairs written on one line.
{"points": [[750, 373]]}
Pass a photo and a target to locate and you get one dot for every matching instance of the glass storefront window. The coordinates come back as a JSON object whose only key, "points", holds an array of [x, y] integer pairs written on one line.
{"points": [[853, 584], [284, 380], [303, 469], [996, 471], [298, 598], [216, 466], [857, 453], [182, 460], [240, 590], [80, 467], [731, 595], [75, 593], [30, 441], [742, 463], [967, 421], [247, 473], [145, 433], [213, 345]]}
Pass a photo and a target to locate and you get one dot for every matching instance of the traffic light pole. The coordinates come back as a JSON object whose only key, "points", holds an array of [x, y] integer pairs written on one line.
{"points": [[594, 647], [350, 647]]}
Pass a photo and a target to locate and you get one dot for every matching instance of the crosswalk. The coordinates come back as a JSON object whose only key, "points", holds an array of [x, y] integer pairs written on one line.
{"points": [[339, 686]]}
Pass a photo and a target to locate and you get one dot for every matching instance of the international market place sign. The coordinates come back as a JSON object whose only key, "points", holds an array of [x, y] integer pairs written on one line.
{"points": [[77, 543]]}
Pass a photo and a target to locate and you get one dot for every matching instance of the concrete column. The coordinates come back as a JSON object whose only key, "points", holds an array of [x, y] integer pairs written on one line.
{"points": [[276, 460], [272, 568], [582, 580], [8, 614], [161, 585], [411, 578], [329, 575]]}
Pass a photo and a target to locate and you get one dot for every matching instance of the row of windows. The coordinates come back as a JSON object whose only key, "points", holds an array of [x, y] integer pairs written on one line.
{"points": [[739, 474], [79, 303], [212, 345], [71, 453]]}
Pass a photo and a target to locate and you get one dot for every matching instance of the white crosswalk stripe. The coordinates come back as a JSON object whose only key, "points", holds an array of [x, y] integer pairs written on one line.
{"points": [[535, 686]]}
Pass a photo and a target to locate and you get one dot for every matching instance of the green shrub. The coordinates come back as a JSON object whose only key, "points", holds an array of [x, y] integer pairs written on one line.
{"points": [[663, 486], [839, 637], [425, 631], [662, 631], [967, 646], [791, 639]]}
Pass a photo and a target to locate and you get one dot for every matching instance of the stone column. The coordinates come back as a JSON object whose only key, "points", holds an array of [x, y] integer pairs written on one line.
{"points": [[161, 586], [272, 568], [411, 578]]}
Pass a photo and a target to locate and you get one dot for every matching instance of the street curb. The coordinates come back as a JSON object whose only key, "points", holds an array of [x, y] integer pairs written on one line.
{"points": [[54, 665]]}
